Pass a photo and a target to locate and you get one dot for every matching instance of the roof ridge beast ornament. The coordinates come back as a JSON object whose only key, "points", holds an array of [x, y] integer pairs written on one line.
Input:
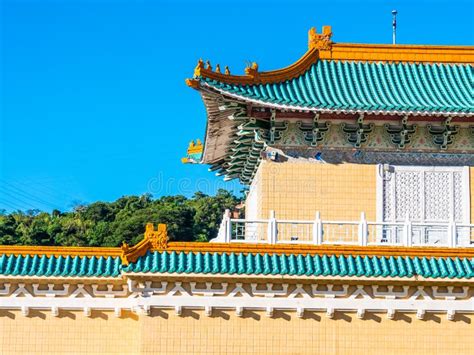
{"points": [[153, 240], [252, 70], [320, 41]]}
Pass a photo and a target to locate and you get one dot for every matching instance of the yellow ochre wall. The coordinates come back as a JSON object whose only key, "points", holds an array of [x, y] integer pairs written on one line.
{"points": [[296, 190], [166, 333]]}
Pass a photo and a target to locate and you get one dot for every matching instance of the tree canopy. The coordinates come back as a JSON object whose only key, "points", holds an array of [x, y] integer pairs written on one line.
{"points": [[111, 223]]}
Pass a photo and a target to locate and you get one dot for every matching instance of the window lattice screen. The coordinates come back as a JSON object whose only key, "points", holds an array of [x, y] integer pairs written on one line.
{"points": [[424, 194]]}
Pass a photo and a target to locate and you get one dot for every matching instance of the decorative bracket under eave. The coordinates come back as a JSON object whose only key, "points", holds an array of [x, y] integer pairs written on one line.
{"points": [[153, 239]]}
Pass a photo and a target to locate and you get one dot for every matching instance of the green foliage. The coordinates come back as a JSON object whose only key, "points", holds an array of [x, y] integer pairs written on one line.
{"points": [[110, 224]]}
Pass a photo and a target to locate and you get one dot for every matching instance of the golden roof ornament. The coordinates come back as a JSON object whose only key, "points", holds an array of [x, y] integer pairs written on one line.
{"points": [[252, 70], [195, 147], [227, 70], [320, 41], [192, 83], [194, 152], [153, 240], [199, 66], [158, 238]]}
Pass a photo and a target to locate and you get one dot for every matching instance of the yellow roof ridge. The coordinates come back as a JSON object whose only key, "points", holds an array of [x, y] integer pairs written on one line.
{"points": [[152, 243]]}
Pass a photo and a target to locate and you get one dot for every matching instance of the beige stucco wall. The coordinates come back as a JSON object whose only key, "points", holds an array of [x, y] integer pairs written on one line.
{"points": [[70, 332], [164, 332], [296, 190]]}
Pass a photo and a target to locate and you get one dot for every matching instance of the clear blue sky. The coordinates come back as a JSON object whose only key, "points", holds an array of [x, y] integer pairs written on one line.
{"points": [[93, 101]]}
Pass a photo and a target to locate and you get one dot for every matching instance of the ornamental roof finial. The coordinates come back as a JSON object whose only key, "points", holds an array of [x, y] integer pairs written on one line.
{"points": [[199, 66], [218, 68], [227, 70], [208, 65], [153, 239], [252, 70], [321, 41], [194, 153]]}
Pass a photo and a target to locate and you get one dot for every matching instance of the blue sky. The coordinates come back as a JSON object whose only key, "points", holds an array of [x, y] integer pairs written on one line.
{"points": [[93, 103]]}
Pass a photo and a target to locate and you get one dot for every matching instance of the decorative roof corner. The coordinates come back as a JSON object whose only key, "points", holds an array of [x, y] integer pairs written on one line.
{"points": [[153, 240], [192, 83], [320, 41], [194, 153]]}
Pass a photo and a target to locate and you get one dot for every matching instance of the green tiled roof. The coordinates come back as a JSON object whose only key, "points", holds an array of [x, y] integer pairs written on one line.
{"points": [[299, 265], [60, 266], [239, 264], [366, 86]]}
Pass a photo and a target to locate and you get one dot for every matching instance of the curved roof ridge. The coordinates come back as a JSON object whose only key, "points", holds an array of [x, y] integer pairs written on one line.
{"points": [[320, 46], [333, 86]]}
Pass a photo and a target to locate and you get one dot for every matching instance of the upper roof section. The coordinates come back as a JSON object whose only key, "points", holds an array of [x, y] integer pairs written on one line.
{"points": [[356, 78]]}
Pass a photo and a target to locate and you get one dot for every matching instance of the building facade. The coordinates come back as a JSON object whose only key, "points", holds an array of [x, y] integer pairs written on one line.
{"points": [[358, 235]]}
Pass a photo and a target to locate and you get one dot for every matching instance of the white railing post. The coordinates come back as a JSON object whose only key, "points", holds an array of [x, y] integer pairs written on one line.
{"points": [[272, 228], [224, 233], [452, 234], [407, 232], [228, 226], [318, 230], [362, 230]]}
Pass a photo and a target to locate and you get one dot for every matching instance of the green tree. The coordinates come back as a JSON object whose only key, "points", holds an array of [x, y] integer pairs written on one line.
{"points": [[209, 213], [111, 223]]}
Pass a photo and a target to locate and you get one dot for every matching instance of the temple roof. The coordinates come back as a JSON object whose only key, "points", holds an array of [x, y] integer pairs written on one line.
{"points": [[60, 266], [157, 257], [382, 100], [348, 86], [300, 264], [238, 263], [336, 77]]}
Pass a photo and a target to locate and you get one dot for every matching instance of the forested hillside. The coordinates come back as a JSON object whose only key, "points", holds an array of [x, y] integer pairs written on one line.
{"points": [[111, 223]]}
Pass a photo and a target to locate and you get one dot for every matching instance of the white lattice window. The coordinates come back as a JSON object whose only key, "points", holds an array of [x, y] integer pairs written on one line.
{"points": [[424, 194]]}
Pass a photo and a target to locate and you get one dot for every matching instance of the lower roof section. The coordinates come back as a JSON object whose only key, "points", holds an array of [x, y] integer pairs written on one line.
{"points": [[242, 259], [60, 266], [302, 265]]}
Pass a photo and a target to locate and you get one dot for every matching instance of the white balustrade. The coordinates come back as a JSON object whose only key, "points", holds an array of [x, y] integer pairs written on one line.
{"points": [[362, 232]]}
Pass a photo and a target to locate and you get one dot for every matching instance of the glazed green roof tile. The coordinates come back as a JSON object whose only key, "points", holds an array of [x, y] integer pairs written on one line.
{"points": [[367, 86], [299, 265], [238, 264], [60, 266]]}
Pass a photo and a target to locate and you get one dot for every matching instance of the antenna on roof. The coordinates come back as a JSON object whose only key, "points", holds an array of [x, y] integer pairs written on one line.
{"points": [[394, 26]]}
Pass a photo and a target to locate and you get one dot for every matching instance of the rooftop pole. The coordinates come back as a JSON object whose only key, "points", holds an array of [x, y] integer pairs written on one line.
{"points": [[394, 26]]}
